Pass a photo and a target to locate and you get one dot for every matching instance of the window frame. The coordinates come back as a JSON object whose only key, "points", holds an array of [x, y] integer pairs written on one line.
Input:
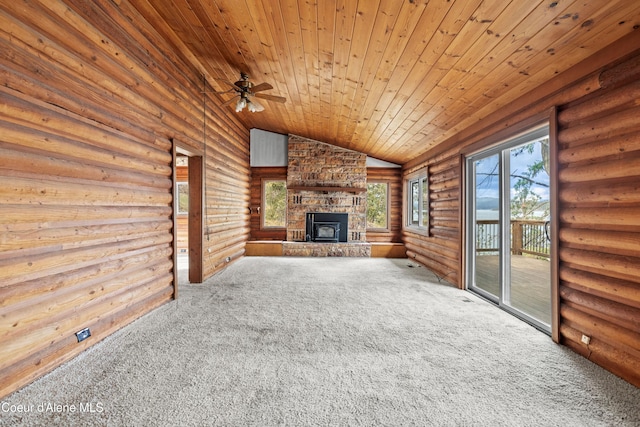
{"points": [[421, 179], [264, 182], [387, 205], [501, 147], [179, 185]]}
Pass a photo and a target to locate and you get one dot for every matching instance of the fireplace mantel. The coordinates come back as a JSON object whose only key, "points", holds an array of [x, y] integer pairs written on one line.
{"points": [[354, 190]]}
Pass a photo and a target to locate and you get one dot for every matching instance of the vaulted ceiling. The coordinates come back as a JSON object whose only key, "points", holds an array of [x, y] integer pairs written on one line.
{"points": [[391, 78]]}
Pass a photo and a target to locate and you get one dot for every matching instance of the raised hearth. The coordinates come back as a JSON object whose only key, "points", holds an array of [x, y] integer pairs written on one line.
{"points": [[307, 249]]}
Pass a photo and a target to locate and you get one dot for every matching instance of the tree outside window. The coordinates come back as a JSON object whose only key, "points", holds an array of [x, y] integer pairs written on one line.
{"points": [[377, 205], [275, 203]]}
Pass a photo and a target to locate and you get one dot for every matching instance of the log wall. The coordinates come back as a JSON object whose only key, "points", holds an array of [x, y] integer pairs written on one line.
{"points": [[91, 97], [599, 247], [598, 209], [439, 248]]}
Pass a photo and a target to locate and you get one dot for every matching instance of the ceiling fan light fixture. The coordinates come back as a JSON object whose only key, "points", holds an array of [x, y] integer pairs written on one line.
{"points": [[254, 106], [242, 102]]}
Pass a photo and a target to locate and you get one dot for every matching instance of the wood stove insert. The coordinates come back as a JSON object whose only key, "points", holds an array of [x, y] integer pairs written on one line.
{"points": [[326, 227]]}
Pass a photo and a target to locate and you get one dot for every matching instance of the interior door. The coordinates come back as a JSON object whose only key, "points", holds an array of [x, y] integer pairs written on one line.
{"points": [[508, 219]]}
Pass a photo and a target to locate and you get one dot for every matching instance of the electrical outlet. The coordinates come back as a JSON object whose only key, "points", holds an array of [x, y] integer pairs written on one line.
{"points": [[83, 334], [585, 339]]}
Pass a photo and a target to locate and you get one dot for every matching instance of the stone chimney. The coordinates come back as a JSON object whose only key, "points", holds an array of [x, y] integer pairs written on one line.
{"points": [[328, 179]]}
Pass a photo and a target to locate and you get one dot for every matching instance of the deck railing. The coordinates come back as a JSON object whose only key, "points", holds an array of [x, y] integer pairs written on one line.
{"points": [[527, 237]]}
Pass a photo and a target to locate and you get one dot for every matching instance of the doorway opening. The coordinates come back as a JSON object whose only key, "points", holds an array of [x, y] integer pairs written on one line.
{"points": [[182, 217], [509, 226], [188, 168]]}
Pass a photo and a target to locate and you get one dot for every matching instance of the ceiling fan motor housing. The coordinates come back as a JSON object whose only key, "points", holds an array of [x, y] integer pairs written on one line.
{"points": [[244, 82]]}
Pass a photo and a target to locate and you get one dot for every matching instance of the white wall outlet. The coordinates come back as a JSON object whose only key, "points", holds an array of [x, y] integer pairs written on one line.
{"points": [[586, 339]]}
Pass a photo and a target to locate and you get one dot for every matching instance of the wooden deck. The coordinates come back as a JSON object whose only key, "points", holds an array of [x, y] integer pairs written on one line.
{"points": [[530, 283]]}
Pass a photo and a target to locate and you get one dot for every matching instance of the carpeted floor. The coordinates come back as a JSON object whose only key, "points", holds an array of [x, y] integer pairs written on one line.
{"points": [[327, 341]]}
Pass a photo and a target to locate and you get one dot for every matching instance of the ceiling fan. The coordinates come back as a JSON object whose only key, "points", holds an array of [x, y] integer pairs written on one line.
{"points": [[247, 93]]}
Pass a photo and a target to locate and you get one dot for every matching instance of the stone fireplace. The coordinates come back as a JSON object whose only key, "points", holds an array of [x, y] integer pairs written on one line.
{"points": [[325, 179]]}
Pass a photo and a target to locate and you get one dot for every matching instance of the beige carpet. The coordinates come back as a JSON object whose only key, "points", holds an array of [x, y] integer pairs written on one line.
{"points": [[327, 341]]}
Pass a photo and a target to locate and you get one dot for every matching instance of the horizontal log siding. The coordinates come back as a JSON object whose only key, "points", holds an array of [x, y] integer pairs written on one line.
{"points": [[394, 177], [91, 97], [440, 248], [598, 207], [599, 176], [257, 176]]}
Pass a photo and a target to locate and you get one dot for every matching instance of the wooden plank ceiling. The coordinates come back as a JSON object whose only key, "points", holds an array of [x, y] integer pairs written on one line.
{"points": [[390, 78]]}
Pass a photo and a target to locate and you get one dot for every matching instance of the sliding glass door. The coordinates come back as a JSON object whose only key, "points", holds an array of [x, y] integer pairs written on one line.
{"points": [[486, 212], [508, 245]]}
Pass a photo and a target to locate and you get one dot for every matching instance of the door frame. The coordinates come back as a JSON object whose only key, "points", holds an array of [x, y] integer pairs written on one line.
{"points": [[486, 145], [195, 216]]}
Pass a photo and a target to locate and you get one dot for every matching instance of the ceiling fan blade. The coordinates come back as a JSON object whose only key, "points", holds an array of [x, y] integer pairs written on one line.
{"points": [[273, 98], [231, 100], [231, 84], [261, 87]]}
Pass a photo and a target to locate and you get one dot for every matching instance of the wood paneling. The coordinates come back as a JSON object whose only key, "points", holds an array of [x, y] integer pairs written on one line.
{"points": [[182, 234], [91, 96], [388, 250], [182, 173], [182, 220], [389, 78], [264, 248]]}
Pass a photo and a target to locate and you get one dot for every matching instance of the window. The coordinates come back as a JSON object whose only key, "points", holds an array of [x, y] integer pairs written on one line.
{"points": [[378, 205], [182, 190], [418, 200], [274, 203]]}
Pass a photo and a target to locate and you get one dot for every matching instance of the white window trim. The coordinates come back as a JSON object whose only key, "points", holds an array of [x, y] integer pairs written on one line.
{"points": [[420, 177]]}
